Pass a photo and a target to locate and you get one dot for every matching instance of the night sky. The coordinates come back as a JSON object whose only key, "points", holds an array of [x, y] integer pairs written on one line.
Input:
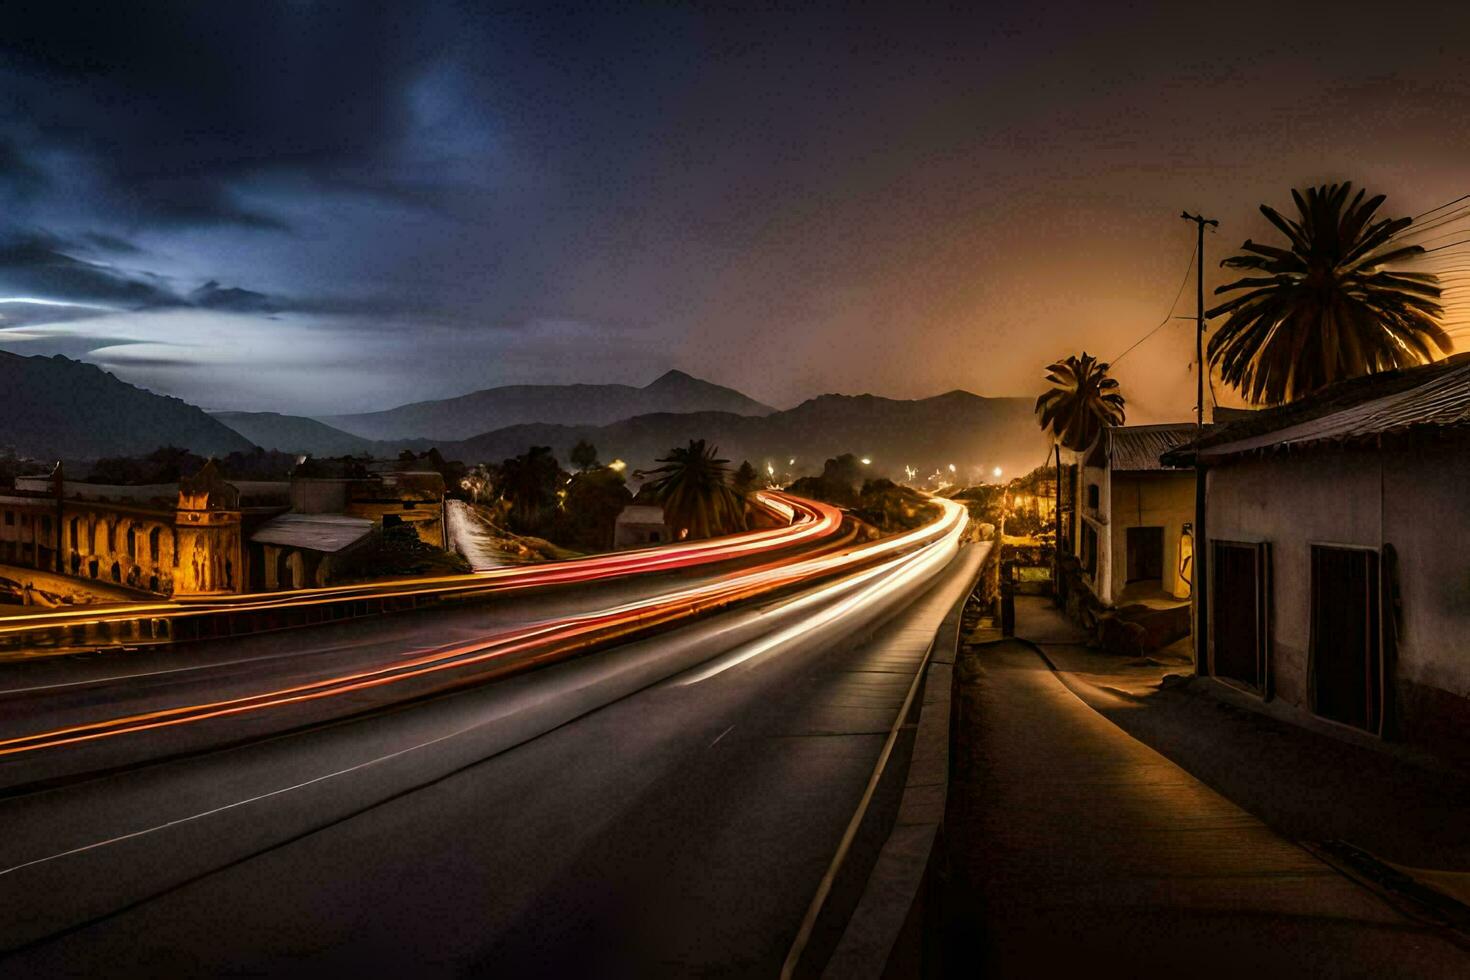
{"points": [[313, 208]]}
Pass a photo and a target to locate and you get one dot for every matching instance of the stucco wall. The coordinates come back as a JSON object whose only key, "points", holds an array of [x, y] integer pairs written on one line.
{"points": [[1417, 500], [1162, 499]]}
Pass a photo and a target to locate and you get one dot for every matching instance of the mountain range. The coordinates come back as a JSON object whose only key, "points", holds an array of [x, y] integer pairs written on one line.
{"points": [[55, 407], [926, 434], [580, 404]]}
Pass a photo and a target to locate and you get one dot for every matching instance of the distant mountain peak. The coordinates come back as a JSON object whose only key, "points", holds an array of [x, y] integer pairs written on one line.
{"points": [[674, 377], [465, 416]]}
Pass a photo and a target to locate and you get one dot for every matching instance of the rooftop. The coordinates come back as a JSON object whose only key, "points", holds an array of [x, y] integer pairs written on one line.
{"points": [[327, 533], [1393, 403], [641, 514], [1137, 448]]}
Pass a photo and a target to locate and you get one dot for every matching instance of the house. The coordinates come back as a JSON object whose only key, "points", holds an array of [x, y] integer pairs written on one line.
{"points": [[1339, 577], [302, 551], [175, 539], [641, 526], [206, 535], [1134, 515]]}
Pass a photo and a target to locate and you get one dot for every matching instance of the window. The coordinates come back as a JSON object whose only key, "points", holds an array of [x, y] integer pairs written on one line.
{"points": [[10, 518], [1345, 662], [1093, 497], [1240, 621], [1089, 548], [46, 526], [153, 536]]}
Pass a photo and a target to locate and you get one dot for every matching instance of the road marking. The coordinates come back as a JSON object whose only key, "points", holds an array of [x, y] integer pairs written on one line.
{"points": [[239, 803], [263, 659], [721, 735]]}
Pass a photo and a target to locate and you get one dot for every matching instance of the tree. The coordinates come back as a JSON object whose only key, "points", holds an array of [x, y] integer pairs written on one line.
{"points": [[528, 481], [745, 479], [1074, 410], [1328, 305], [694, 490], [589, 512], [1080, 402], [584, 455]]}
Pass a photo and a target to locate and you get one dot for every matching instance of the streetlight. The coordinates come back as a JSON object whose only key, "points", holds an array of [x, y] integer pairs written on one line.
{"points": [[866, 461], [996, 471]]}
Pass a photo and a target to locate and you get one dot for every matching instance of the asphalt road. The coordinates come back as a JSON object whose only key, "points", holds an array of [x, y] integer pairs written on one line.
{"points": [[663, 807], [53, 693]]}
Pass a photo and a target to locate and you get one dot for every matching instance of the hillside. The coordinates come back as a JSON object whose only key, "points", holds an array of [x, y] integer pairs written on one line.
{"points": [[295, 434], [927, 434], [497, 408], [54, 407]]}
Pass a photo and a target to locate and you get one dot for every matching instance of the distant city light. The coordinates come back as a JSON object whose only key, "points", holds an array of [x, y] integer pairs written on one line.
{"points": [[617, 466], [866, 461], [791, 461], [951, 467], [996, 471], [770, 470]]}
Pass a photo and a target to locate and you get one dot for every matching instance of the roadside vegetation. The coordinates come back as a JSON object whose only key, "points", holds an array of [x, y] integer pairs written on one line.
{"points": [[397, 551], [879, 506]]}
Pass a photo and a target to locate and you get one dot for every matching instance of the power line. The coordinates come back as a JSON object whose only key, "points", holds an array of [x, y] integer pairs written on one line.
{"points": [[1439, 220], [1193, 253], [1462, 197]]}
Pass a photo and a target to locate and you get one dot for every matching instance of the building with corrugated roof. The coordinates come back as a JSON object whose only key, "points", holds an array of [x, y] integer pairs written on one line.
{"points": [[1339, 577], [1134, 515], [641, 526]]}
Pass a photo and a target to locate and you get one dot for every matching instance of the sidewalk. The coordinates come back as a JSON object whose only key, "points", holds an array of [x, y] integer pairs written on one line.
{"points": [[1072, 845], [1316, 785]]}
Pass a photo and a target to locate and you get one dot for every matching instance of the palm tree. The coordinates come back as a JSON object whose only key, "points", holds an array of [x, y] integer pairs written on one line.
{"points": [[694, 489], [1080, 402], [1327, 306]]}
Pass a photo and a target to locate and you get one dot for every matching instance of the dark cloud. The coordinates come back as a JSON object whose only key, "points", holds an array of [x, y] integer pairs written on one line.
{"points": [[36, 266], [17, 171], [110, 243], [41, 266], [213, 296], [172, 105]]}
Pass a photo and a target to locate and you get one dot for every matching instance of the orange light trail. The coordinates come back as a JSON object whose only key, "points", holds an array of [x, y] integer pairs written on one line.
{"points": [[809, 521], [556, 639]]}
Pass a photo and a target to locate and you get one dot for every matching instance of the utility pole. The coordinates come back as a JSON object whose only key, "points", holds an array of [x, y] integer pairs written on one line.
{"points": [[1200, 559]]}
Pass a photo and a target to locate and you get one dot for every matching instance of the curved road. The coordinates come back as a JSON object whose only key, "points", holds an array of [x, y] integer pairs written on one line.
{"points": [[665, 806]]}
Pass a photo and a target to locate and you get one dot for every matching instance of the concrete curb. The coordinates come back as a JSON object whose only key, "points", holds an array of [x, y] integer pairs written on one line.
{"points": [[878, 924]]}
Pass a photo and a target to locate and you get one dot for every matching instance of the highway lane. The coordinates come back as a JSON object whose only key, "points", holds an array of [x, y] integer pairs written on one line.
{"points": [[771, 737], [28, 635], [93, 727], [59, 693]]}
